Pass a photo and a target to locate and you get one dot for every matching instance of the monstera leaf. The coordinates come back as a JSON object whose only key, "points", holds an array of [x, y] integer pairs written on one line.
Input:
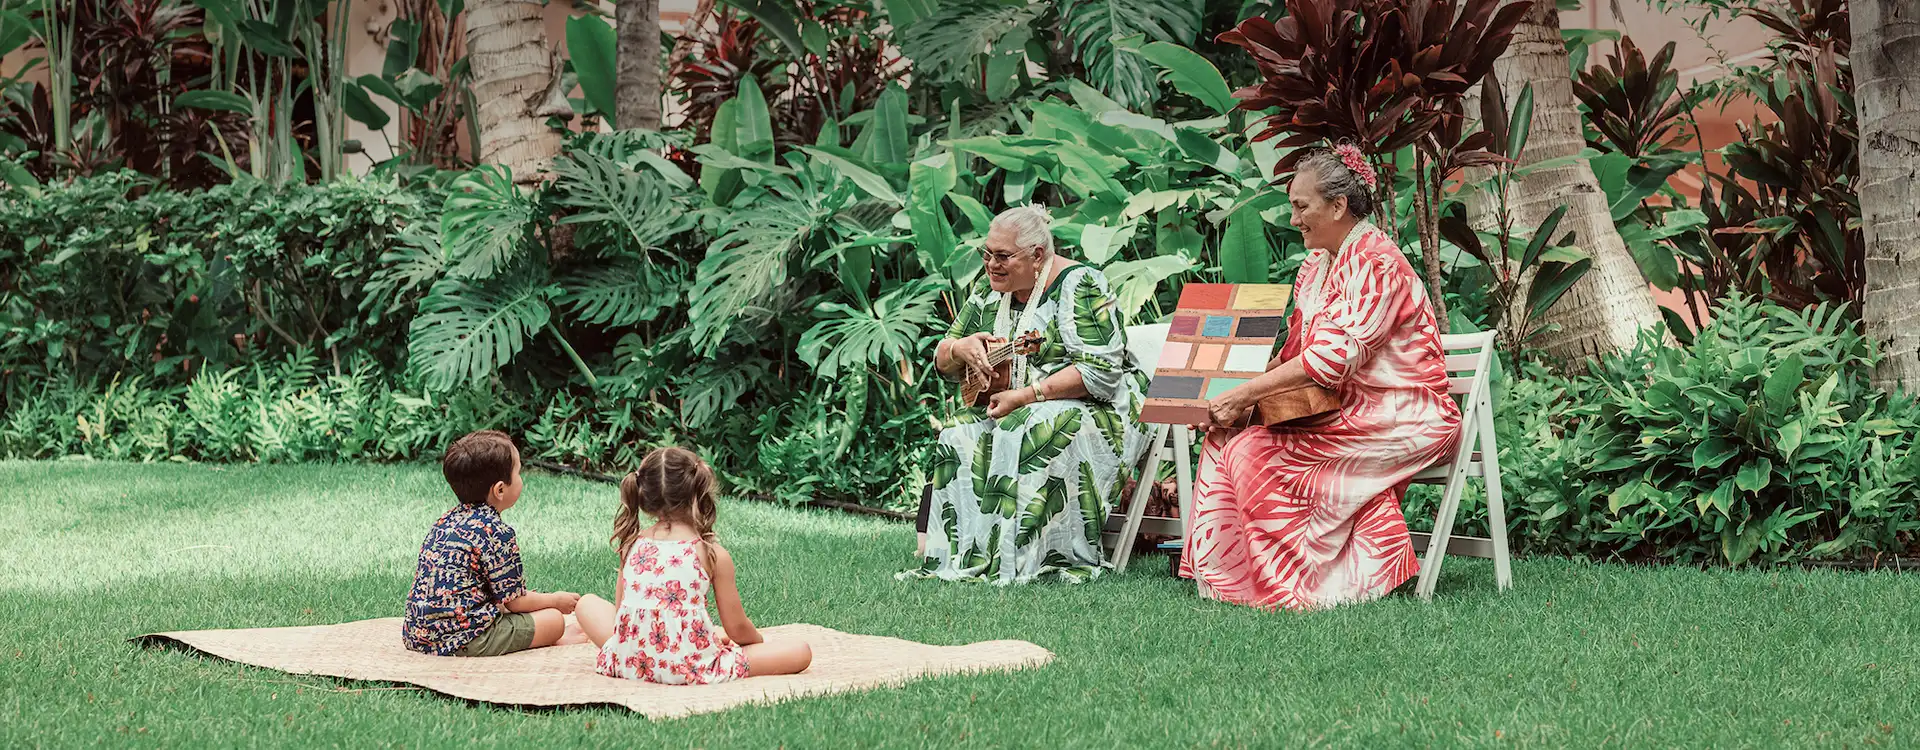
{"points": [[466, 332], [484, 223], [1097, 28]]}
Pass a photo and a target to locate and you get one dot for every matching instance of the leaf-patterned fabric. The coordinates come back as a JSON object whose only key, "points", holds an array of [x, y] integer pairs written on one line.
{"points": [[1308, 515], [1025, 496]]}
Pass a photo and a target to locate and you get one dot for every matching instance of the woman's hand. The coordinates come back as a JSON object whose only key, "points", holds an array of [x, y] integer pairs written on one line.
{"points": [[972, 352], [1004, 402], [1227, 409]]}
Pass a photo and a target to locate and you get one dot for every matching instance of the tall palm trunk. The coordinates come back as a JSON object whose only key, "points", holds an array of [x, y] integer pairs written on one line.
{"points": [[637, 93], [1886, 65], [1609, 306], [512, 70]]}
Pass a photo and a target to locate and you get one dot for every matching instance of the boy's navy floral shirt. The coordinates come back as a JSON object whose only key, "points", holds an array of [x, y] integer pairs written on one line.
{"points": [[469, 566]]}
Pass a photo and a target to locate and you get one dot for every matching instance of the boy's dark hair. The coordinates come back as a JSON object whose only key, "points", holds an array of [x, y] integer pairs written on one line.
{"points": [[475, 462]]}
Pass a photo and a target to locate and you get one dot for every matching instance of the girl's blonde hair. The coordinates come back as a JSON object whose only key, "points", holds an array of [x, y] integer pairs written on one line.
{"points": [[671, 485]]}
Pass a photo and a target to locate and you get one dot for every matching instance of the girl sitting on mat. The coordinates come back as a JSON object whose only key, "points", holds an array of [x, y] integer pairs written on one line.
{"points": [[656, 628]]}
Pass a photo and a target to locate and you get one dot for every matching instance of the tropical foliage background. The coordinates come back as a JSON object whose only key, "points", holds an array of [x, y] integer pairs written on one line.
{"points": [[188, 270]]}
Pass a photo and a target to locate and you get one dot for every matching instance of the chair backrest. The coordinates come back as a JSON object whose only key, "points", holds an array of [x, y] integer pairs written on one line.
{"points": [[1469, 363], [1144, 344]]}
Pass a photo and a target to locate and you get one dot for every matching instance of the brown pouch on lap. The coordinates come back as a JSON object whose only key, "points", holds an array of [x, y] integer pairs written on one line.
{"points": [[1299, 403]]}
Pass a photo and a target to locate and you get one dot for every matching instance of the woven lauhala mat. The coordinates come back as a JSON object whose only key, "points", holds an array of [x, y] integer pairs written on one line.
{"points": [[564, 676]]}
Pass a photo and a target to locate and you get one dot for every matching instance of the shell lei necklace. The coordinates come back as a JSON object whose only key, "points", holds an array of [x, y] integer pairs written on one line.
{"points": [[1003, 330]]}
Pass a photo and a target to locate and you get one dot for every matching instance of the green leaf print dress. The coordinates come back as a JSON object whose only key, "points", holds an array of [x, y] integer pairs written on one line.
{"points": [[1025, 496]]}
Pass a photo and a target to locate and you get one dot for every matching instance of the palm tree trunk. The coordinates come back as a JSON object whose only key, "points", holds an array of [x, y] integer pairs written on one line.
{"points": [[507, 48], [1607, 309], [1886, 64], [637, 91]]}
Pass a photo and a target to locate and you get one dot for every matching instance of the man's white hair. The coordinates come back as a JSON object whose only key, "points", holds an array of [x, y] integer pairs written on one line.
{"points": [[1030, 224]]}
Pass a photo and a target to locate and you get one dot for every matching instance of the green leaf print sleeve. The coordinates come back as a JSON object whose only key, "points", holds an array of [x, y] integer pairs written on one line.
{"points": [[1096, 342]]}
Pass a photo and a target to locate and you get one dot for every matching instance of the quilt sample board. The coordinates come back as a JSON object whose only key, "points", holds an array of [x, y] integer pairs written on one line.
{"points": [[1222, 335]]}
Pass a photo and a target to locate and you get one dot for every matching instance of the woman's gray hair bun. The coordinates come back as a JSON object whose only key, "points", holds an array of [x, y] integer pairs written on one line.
{"points": [[1334, 179]]}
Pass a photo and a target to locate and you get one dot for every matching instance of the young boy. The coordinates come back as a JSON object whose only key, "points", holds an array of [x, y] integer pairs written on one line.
{"points": [[469, 595]]}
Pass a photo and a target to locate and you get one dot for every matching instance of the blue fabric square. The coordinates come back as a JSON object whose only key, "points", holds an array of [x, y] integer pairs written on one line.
{"points": [[1218, 326]]}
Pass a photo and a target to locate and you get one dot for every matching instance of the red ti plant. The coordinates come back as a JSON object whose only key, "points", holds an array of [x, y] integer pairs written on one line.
{"points": [[1382, 74]]}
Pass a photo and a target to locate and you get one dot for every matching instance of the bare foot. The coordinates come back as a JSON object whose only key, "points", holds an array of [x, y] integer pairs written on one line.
{"points": [[572, 635]]}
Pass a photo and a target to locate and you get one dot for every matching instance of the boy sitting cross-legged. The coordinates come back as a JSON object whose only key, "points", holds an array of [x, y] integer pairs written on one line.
{"points": [[470, 597]]}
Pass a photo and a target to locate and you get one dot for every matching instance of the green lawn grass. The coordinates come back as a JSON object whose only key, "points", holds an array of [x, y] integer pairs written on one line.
{"points": [[1576, 655]]}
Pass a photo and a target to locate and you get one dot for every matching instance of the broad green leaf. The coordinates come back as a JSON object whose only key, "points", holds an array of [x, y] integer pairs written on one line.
{"points": [[1542, 237], [873, 184], [1755, 474], [928, 182], [1552, 282], [1245, 252], [1521, 126], [1198, 147], [1135, 281], [590, 44], [1789, 439], [672, 172], [360, 107], [1713, 452], [753, 124], [1099, 30], [416, 89], [903, 13], [1783, 384], [779, 18], [1041, 509], [1192, 75], [1100, 243], [978, 217], [403, 46], [224, 101], [1091, 100], [885, 139], [946, 46]]}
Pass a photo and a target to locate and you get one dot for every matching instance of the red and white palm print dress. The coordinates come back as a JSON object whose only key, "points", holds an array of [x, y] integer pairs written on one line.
{"points": [[661, 632], [1308, 515]]}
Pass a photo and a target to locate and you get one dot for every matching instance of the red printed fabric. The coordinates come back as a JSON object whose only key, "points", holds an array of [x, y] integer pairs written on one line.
{"points": [[1308, 515]]}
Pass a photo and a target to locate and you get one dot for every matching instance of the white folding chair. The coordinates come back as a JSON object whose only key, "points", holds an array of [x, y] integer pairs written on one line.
{"points": [[1469, 363], [1124, 526]]}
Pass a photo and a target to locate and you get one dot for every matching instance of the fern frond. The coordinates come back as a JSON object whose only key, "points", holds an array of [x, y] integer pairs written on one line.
{"points": [[942, 46], [1093, 25], [484, 222], [639, 204], [466, 332]]}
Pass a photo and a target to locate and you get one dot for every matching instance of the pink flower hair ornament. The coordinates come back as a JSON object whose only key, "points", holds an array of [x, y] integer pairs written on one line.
{"points": [[1357, 162]]}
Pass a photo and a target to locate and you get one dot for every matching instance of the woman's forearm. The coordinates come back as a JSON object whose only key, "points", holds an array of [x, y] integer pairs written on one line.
{"points": [[1289, 375], [943, 360], [1067, 383]]}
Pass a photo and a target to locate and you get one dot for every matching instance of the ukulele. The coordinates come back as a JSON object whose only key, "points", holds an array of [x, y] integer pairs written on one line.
{"points": [[978, 387]]}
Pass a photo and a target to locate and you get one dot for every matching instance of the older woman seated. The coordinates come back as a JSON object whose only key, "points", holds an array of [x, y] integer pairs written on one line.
{"points": [[1307, 514], [1022, 489]]}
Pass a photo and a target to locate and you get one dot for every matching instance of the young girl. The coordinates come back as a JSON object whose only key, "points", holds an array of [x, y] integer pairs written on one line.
{"points": [[657, 629]]}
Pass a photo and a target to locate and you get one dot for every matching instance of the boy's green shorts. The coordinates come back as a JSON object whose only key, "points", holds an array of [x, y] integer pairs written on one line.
{"points": [[510, 632]]}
